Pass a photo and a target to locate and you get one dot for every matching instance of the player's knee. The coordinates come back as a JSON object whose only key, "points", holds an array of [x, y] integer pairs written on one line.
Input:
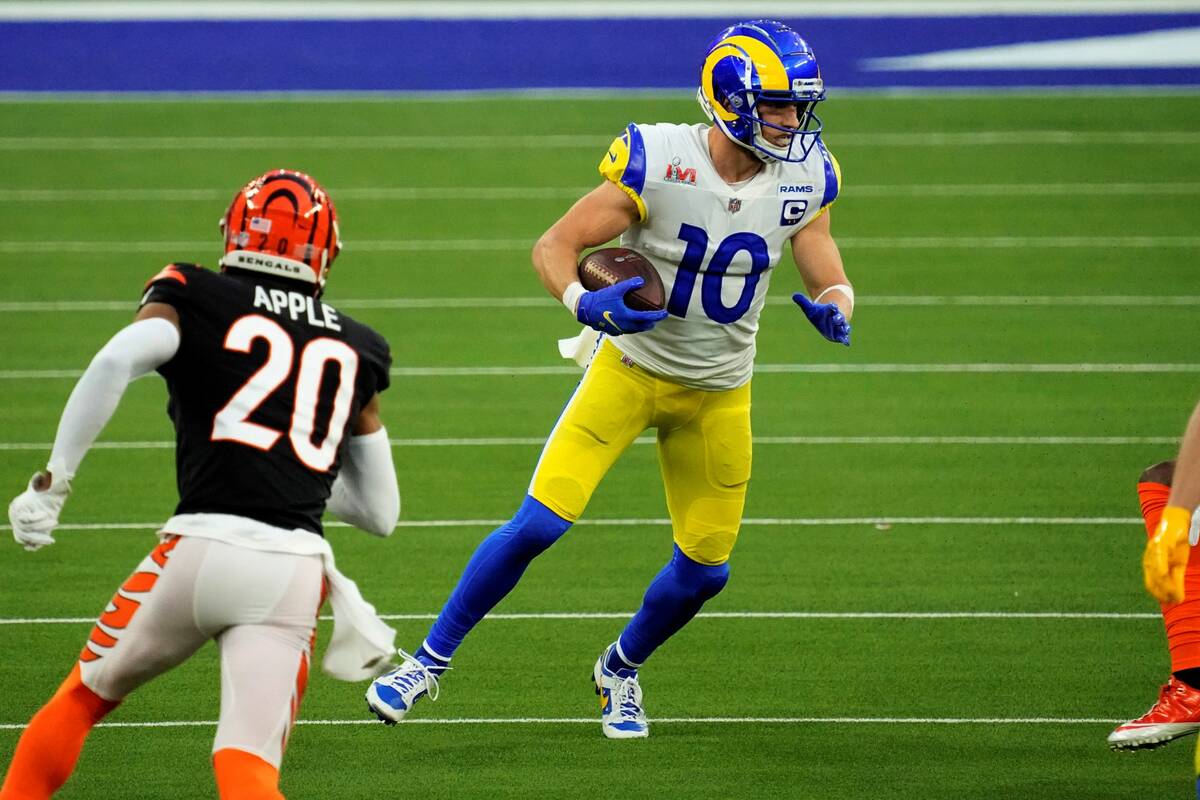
{"points": [[535, 527], [704, 581], [1162, 473]]}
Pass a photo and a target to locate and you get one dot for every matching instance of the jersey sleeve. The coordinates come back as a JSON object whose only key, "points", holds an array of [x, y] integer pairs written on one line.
{"points": [[378, 356], [625, 165], [833, 178], [171, 285]]}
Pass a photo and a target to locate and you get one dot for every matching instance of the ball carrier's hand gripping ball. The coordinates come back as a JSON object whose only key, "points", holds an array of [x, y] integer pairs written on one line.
{"points": [[609, 266], [624, 293]]}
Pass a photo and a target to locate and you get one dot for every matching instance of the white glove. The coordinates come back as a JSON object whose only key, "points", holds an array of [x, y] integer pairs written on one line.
{"points": [[34, 512]]}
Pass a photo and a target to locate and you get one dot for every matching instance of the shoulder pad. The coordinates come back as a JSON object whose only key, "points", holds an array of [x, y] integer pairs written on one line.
{"points": [[625, 165], [833, 175], [174, 272]]}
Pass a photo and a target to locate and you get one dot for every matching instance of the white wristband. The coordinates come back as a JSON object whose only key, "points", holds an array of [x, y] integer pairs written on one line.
{"points": [[571, 295], [840, 287]]}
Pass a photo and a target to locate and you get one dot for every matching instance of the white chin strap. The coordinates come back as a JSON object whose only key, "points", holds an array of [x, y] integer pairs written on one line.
{"points": [[269, 264], [779, 153]]}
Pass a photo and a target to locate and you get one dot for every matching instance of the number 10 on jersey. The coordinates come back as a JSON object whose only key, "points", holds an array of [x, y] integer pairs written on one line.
{"points": [[692, 264]]}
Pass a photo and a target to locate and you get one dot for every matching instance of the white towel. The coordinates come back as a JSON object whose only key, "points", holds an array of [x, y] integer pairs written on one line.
{"points": [[581, 348]]}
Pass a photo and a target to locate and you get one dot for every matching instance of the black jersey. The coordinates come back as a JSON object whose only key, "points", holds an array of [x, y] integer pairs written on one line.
{"points": [[263, 390]]}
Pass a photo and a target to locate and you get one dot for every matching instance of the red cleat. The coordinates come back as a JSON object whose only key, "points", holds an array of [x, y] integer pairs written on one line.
{"points": [[1176, 714]]}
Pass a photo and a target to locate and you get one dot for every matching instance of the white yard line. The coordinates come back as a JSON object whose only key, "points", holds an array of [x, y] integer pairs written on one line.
{"points": [[538, 441], [509, 193], [941, 139], [980, 368], [656, 720], [42, 246], [605, 615], [663, 522], [1121, 300], [492, 303], [918, 369]]}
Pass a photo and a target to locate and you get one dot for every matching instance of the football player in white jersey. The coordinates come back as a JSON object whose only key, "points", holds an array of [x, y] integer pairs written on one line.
{"points": [[711, 206]]}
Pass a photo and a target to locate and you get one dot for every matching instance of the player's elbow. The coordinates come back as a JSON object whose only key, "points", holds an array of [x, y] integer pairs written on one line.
{"points": [[384, 516], [110, 361], [1163, 472], [556, 244], [542, 248]]}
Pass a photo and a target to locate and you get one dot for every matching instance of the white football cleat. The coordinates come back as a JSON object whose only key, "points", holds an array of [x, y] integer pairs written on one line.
{"points": [[621, 712], [390, 697]]}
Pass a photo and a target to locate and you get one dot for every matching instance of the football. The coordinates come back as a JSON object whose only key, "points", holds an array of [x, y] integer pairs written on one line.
{"points": [[609, 265]]}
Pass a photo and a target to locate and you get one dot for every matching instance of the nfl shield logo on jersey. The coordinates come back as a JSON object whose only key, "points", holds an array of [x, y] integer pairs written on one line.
{"points": [[735, 205]]}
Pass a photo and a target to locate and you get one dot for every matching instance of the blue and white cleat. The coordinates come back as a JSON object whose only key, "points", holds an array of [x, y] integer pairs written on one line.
{"points": [[621, 713], [391, 696]]}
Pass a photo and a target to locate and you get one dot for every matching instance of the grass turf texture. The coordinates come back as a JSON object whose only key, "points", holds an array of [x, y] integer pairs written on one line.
{"points": [[838, 668]]}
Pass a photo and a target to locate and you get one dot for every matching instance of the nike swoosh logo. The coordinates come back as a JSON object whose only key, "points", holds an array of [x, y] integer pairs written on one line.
{"points": [[612, 156], [608, 318]]}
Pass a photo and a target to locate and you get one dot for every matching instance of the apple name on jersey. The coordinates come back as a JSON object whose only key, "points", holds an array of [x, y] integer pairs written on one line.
{"points": [[300, 307], [714, 245]]}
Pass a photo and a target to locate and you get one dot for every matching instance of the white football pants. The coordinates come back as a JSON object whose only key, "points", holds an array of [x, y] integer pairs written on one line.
{"points": [[260, 607]]}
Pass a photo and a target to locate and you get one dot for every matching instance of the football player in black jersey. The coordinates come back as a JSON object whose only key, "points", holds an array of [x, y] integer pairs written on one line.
{"points": [[274, 396]]}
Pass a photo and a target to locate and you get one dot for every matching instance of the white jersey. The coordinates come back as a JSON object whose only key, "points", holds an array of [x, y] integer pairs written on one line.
{"points": [[714, 245]]}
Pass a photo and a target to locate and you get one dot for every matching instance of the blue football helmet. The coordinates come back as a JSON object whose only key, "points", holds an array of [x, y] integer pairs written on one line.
{"points": [[762, 60]]}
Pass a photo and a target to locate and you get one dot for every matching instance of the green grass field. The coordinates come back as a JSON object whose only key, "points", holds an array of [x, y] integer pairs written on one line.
{"points": [[938, 596]]}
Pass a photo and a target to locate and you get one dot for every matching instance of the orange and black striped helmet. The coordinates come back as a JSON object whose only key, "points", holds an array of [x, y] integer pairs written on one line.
{"points": [[282, 223]]}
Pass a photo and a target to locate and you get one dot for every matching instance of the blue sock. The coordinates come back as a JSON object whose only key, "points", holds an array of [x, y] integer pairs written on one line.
{"points": [[493, 571], [675, 595], [614, 663], [434, 661]]}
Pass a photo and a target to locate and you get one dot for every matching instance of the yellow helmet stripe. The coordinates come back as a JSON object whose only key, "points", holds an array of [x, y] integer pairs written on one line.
{"points": [[771, 73], [716, 55]]}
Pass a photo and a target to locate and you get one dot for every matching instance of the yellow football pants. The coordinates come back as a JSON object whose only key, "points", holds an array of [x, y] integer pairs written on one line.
{"points": [[703, 450]]}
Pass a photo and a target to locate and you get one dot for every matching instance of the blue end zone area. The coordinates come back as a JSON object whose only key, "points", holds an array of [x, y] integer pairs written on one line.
{"points": [[301, 55]]}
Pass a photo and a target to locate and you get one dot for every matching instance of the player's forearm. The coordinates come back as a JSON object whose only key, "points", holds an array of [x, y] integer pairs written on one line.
{"points": [[820, 265], [1185, 486], [598, 217], [365, 493], [134, 351], [555, 262]]}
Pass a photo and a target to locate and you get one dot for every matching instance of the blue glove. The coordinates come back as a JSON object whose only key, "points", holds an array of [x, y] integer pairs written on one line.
{"points": [[605, 310], [825, 317]]}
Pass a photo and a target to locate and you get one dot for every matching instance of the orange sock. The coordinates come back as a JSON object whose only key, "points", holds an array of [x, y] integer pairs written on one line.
{"points": [[244, 776], [48, 749], [1182, 620]]}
